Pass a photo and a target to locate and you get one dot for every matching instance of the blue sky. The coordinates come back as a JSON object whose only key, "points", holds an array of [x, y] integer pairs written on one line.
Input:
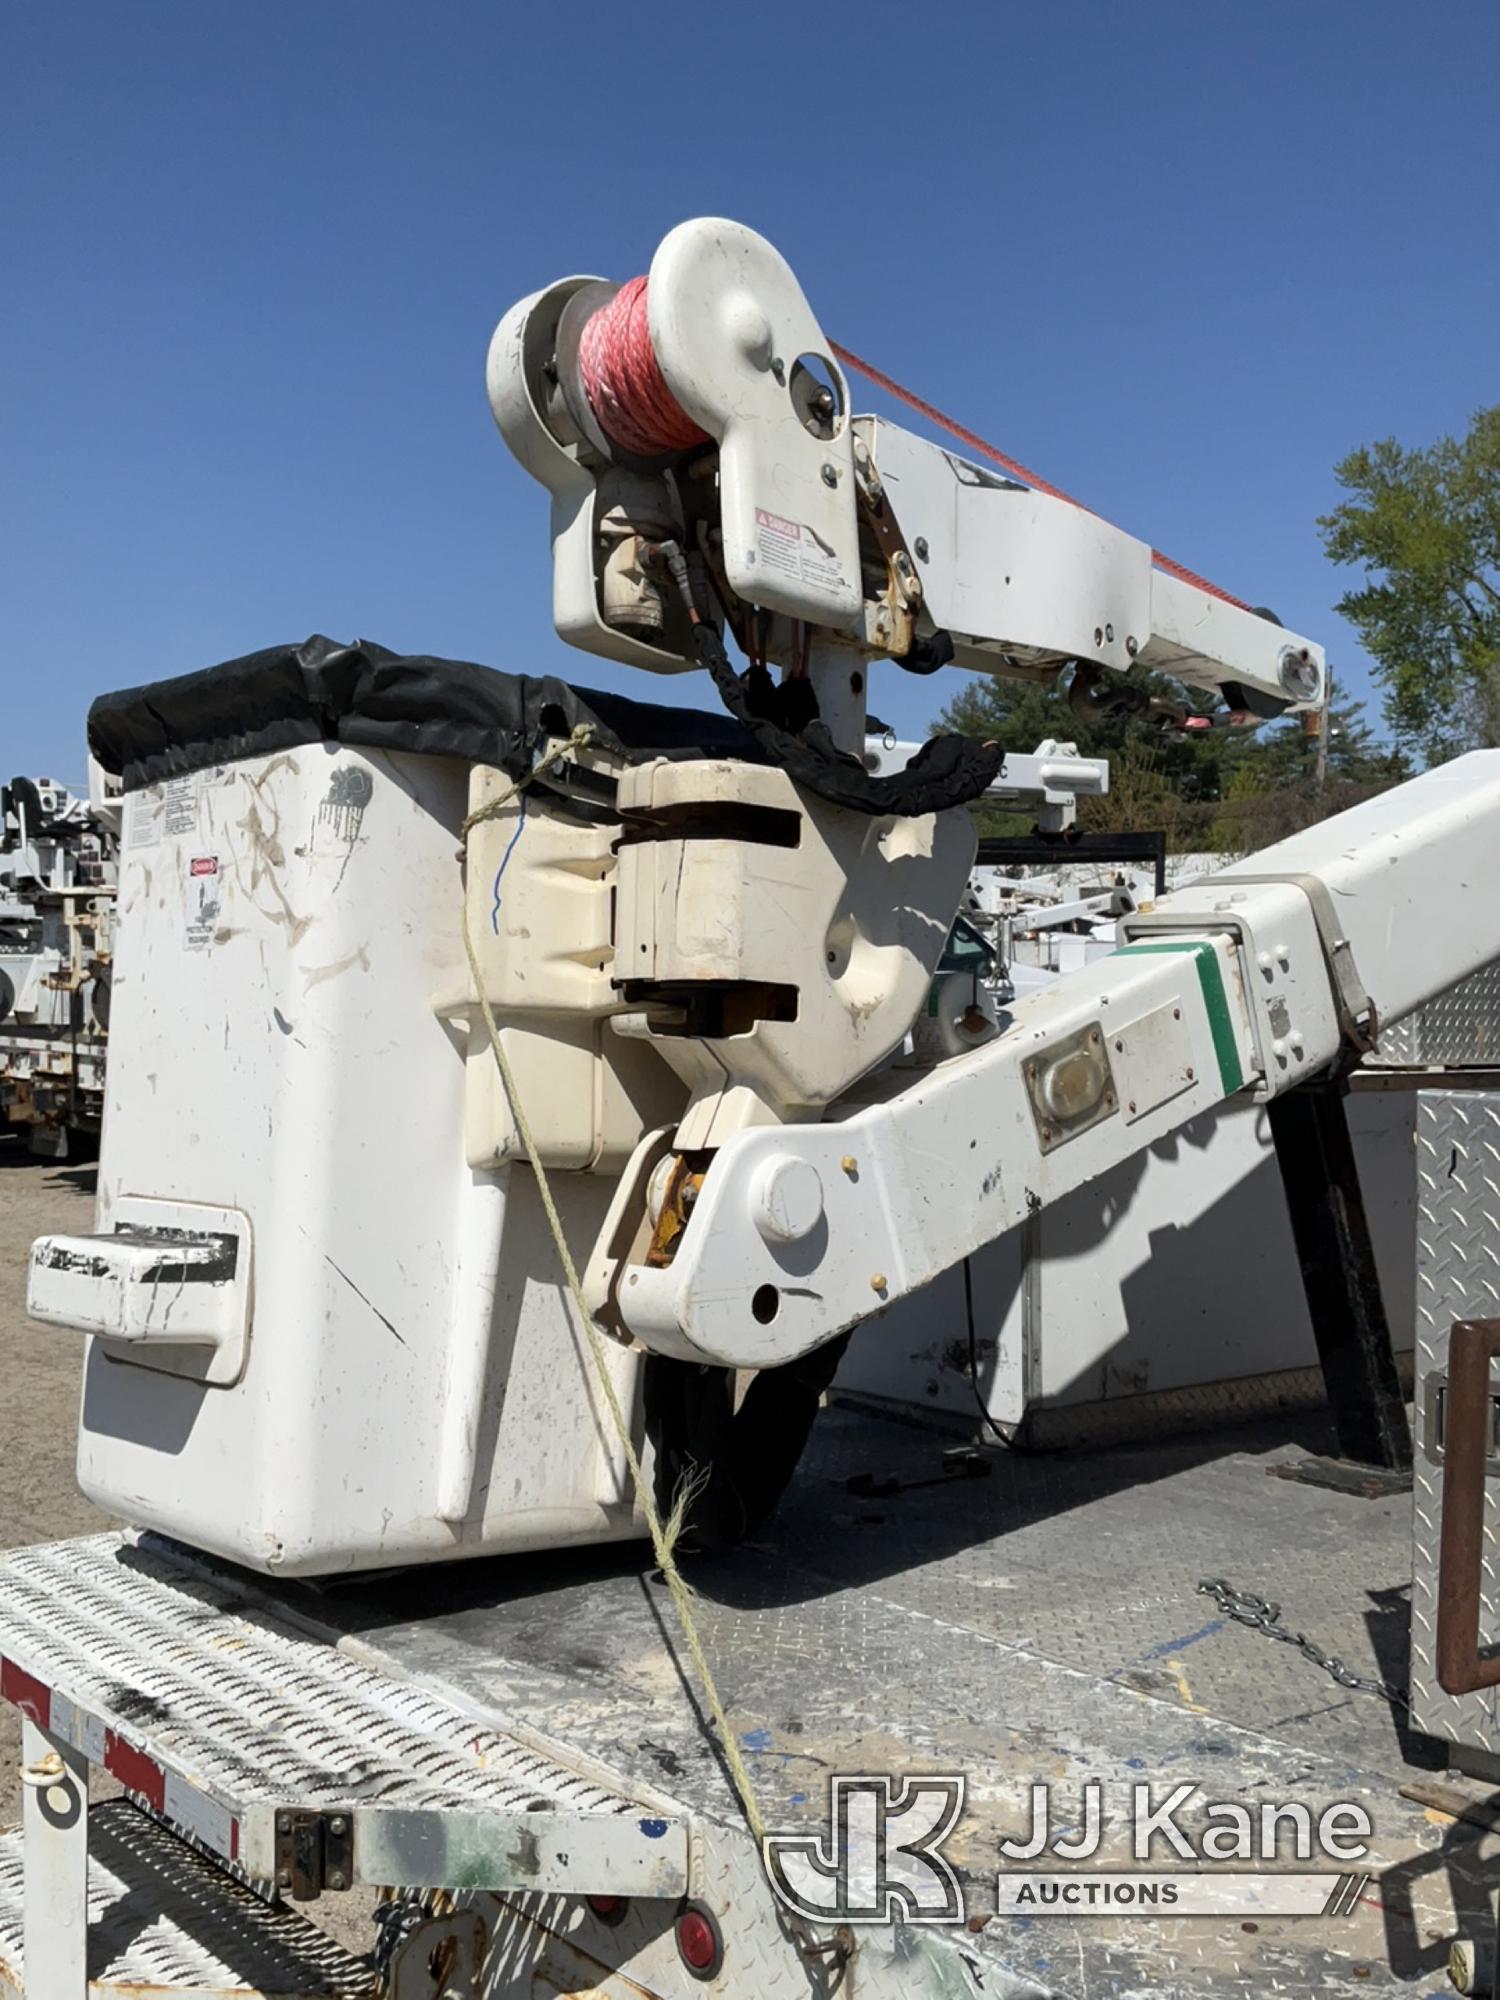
{"points": [[1178, 257]]}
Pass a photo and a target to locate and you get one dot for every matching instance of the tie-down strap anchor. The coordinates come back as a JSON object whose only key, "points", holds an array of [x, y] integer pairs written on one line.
{"points": [[1359, 1020]]}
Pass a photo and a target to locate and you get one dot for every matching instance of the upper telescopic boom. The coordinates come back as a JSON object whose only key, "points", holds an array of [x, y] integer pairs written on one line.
{"points": [[807, 526]]}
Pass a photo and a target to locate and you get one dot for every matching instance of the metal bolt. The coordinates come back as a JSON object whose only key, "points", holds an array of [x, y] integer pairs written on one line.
{"points": [[849, 1164], [1109, 633], [284, 1878], [1176, 1013], [336, 1879], [338, 1824], [920, 545], [1132, 1105], [1046, 1131], [1191, 1072], [878, 1281], [1132, 646], [283, 1822], [1120, 1050], [1098, 635], [830, 475]]}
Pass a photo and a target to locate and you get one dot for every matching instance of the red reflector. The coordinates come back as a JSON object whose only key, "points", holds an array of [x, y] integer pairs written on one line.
{"points": [[608, 1909], [699, 1942]]}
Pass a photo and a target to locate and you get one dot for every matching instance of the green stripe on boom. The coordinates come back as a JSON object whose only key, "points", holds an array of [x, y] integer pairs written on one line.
{"points": [[1215, 1004]]}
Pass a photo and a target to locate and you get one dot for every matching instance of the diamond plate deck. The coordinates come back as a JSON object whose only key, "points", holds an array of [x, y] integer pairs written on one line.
{"points": [[1458, 1277], [1039, 1623], [160, 1916]]}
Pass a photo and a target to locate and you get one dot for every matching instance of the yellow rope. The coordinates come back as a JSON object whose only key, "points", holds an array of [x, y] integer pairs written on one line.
{"points": [[663, 1534]]}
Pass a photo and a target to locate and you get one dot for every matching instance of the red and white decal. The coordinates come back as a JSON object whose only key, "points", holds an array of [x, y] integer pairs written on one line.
{"points": [[29, 1695], [778, 524], [180, 1802]]}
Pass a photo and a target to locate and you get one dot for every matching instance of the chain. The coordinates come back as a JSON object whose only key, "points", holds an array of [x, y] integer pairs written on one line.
{"points": [[397, 1915], [1263, 1616]]}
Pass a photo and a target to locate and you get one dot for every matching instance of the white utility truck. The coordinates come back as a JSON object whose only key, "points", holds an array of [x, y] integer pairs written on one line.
{"points": [[514, 1111], [57, 888]]}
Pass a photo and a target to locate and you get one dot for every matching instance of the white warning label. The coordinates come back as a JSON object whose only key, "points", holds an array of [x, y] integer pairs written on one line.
{"points": [[791, 550], [142, 819], [179, 806]]}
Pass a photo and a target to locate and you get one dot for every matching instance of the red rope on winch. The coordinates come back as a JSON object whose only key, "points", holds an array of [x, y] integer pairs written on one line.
{"points": [[628, 394], [624, 383], [1014, 466]]}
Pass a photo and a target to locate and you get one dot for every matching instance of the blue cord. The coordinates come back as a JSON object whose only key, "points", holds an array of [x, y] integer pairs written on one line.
{"points": [[504, 864]]}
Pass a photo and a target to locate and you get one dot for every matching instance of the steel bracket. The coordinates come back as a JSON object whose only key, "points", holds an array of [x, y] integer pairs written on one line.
{"points": [[1435, 1423], [314, 1851]]}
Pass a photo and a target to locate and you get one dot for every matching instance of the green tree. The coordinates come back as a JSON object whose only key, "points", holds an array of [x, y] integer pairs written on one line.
{"points": [[1425, 525], [1273, 784], [1283, 753]]}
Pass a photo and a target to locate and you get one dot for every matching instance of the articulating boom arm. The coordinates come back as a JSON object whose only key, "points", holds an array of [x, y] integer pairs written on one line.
{"points": [[774, 940], [1252, 980]]}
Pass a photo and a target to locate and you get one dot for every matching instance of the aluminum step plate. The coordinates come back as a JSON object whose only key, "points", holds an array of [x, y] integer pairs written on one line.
{"points": [[220, 1714], [162, 1917]]}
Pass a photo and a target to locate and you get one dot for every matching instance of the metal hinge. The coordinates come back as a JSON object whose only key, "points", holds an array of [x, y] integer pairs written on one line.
{"points": [[314, 1852], [1435, 1419]]}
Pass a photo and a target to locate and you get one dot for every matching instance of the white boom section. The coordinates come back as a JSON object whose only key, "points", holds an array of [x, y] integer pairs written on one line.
{"points": [[1006, 570], [1241, 982], [1019, 580]]}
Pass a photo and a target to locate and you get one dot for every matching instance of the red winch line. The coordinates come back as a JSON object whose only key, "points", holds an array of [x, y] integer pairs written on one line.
{"points": [[623, 381], [629, 395], [1014, 467]]}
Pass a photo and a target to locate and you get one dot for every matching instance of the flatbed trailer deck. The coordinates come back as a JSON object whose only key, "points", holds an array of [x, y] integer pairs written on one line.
{"points": [[519, 1730]]}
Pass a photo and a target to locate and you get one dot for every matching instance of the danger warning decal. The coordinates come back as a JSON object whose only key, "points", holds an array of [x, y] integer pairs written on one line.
{"points": [[202, 901], [790, 549]]}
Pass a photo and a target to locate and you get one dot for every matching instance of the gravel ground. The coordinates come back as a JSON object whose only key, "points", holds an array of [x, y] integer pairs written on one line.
{"points": [[40, 1369]]}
